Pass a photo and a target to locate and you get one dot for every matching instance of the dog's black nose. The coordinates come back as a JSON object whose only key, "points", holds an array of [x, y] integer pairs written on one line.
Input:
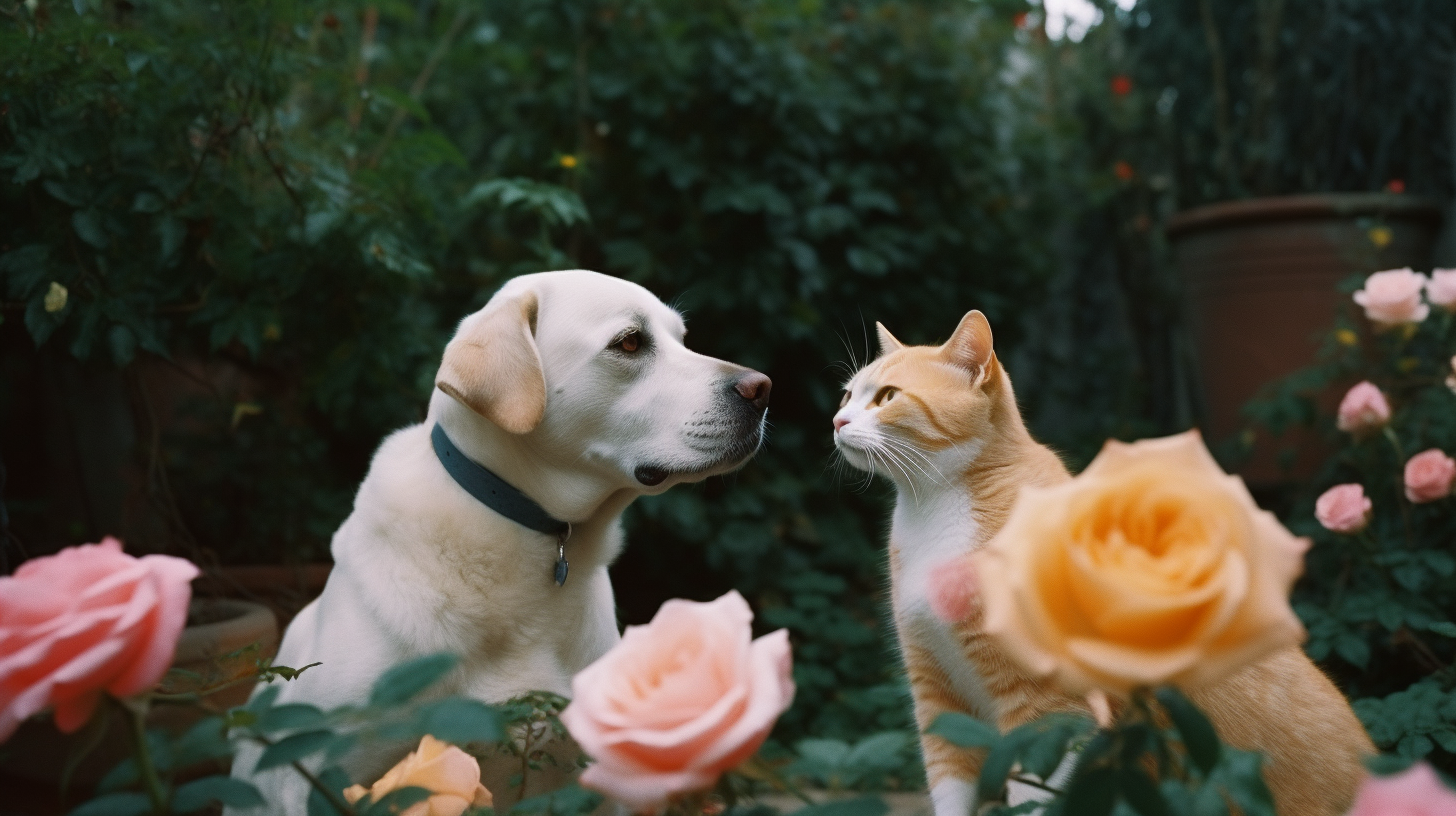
{"points": [[754, 387]]}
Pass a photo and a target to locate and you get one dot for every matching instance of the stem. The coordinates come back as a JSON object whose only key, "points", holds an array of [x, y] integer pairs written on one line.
{"points": [[144, 758], [418, 88], [1400, 480], [783, 784], [1224, 156], [317, 784], [1027, 780]]}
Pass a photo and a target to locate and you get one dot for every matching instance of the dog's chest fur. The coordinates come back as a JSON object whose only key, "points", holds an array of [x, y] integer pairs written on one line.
{"points": [[925, 534]]}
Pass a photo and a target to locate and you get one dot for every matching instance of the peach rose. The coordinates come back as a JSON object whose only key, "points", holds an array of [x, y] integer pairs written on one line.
{"points": [[86, 620], [679, 701], [1441, 290], [451, 775], [1343, 508], [1364, 408], [1151, 567], [1416, 792], [1428, 476], [1393, 297]]}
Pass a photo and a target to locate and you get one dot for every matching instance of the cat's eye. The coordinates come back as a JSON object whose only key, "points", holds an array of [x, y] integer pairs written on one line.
{"points": [[629, 342], [886, 394], [844, 400]]}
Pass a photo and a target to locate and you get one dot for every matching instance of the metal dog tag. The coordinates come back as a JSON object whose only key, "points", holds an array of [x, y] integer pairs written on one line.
{"points": [[561, 565]]}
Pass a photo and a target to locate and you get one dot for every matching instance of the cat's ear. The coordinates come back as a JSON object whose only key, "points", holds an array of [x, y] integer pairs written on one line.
{"points": [[970, 346], [888, 343]]}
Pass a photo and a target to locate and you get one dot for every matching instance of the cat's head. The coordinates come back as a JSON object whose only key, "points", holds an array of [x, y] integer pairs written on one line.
{"points": [[922, 412]]}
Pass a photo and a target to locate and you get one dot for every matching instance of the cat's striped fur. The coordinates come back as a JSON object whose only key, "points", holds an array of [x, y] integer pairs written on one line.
{"points": [[943, 424]]}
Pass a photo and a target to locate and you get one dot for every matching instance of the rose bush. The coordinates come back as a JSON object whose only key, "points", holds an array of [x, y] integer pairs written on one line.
{"points": [[1153, 566], [87, 620], [451, 775], [679, 701]]}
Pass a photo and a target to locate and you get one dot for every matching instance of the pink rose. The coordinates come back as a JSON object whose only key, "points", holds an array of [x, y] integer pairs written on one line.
{"points": [[1343, 508], [85, 620], [1364, 408], [1417, 792], [1428, 476], [953, 590], [1394, 296], [1441, 291], [679, 701]]}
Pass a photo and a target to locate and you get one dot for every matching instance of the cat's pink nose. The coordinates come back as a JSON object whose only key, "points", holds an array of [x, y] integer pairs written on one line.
{"points": [[840, 422]]}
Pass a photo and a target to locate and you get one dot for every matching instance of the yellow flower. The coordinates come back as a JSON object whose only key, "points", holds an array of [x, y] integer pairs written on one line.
{"points": [[452, 775], [1381, 236], [55, 298], [1345, 337], [1408, 364], [1151, 567], [568, 161]]}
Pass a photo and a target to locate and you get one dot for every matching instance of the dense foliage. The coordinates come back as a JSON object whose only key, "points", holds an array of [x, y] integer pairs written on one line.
{"points": [[1379, 604], [295, 203]]}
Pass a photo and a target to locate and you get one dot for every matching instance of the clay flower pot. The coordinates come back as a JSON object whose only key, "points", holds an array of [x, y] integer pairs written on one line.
{"points": [[1261, 278]]}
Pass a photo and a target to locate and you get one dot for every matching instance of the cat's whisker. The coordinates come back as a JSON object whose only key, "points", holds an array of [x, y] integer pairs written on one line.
{"points": [[885, 450], [899, 451], [908, 450]]}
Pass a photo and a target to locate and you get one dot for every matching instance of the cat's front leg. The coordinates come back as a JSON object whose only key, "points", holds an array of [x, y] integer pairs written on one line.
{"points": [[950, 770]]}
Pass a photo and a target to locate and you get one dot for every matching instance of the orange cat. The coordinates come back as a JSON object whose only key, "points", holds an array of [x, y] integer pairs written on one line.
{"points": [[943, 424]]}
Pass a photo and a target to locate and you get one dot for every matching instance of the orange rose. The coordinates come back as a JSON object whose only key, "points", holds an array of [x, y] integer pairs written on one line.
{"points": [[450, 774], [1151, 567]]}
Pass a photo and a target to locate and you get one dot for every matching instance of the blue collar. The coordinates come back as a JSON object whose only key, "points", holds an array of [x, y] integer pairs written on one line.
{"points": [[500, 496]]}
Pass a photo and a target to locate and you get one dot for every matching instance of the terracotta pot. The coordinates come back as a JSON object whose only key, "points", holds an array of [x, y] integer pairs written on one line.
{"points": [[221, 643], [283, 588], [1261, 278]]}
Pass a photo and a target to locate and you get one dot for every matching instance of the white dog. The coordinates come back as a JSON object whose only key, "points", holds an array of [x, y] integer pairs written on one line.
{"points": [[576, 390]]}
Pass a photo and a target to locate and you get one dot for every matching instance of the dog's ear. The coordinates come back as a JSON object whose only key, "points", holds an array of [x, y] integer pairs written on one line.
{"points": [[970, 346], [492, 365], [888, 343]]}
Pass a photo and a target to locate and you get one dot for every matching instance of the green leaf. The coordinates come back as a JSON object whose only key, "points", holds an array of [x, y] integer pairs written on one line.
{"points": [[123, 344], [1198, 734], [1353, 648], [148, 202], [293, 748], [964, 730], [335, 780], [88, 226], [459, 720], [401, 683], [396, 801], [172, 231], [1414, 746], [999, 762], [290, 716], [115, 804], [860, 806], [199, 793], [1091, 793], [203, 741], [1446, 628], [1141, 793]]}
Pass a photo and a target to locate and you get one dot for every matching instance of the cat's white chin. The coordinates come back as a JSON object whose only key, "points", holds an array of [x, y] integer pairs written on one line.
{"points": [[857, 458]]}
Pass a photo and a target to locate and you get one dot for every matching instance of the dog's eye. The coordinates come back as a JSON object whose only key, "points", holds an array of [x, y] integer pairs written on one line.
{"points": [[844, 400], [629, 342], [886, 394]]}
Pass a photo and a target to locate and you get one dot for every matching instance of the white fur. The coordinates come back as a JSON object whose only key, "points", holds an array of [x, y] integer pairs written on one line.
{"points": [[423, 567]]}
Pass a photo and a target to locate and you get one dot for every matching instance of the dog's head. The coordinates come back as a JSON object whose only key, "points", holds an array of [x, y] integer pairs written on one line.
{"points": [[593, 371]]}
